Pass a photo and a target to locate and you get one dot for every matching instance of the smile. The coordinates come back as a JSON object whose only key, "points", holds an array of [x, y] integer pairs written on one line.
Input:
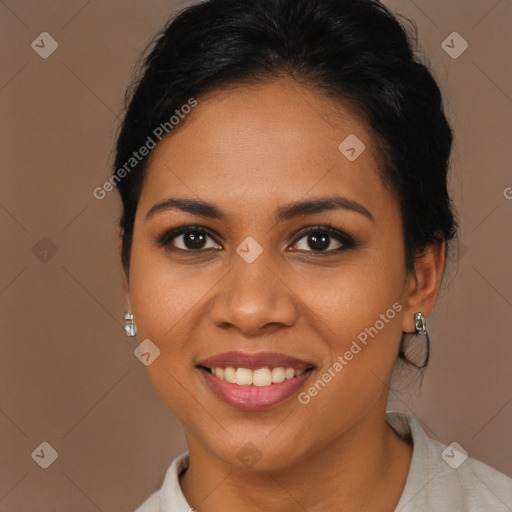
{"points": [[258, 377], [254, 381]]}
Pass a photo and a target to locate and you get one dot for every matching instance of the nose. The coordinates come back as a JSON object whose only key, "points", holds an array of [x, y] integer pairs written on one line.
{"points": [[254, 298]]}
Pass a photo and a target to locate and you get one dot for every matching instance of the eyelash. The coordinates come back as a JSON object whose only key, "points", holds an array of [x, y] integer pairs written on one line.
{"points": [[346, 241]]}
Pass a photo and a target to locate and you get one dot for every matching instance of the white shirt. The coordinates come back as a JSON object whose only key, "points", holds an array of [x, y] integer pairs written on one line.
{"points": [[432, 485]]}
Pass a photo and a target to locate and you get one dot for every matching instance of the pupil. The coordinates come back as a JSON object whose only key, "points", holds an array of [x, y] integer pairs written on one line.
{"points": [[318, 241], [194, 240]]}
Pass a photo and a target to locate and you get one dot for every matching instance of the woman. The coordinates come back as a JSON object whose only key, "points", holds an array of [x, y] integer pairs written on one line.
{"points": [[282, 167]]}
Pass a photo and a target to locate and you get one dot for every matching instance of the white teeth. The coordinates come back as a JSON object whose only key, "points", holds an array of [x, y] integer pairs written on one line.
{"points": [[277, 374], [258, 377], [261, 377], [230, 374], [243, 376]]}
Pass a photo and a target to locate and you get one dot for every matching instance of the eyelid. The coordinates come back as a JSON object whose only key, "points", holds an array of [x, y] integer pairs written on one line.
{"points": [[346, 241], [168, 236]]}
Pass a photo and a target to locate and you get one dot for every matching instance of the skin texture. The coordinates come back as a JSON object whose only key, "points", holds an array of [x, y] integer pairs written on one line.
{"points": [[250, 150]]}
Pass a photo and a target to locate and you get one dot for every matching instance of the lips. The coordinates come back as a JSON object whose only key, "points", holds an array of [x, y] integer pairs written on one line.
{"points": [[249, 396], [255, 361]]}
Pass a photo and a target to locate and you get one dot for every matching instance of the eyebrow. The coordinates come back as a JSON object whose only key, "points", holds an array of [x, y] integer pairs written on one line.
{"points": [[283, 213]]}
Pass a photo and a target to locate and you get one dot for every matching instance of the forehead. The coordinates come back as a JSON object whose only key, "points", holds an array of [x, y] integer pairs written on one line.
{"points": [[276, 139]]}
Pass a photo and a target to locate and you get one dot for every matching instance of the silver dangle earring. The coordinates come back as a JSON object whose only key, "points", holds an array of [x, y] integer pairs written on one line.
{"points": [[420, 323], [129, 328], [408, 351]]}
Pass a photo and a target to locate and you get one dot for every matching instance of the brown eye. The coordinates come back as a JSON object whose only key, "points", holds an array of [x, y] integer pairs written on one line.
{"points": [[323, 239], [189, 238]]}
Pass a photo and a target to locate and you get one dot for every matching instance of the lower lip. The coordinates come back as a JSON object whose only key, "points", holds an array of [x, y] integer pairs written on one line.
{"points": [[254, 398]]}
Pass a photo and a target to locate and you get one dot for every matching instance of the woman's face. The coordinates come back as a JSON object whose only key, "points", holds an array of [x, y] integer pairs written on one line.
{"points": [[266, 276]]}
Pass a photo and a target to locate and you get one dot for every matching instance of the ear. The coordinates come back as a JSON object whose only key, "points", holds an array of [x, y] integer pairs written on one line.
{"points": [[422, 289], [126, 284]]}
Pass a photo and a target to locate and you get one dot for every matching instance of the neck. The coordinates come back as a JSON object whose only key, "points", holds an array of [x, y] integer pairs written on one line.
{"points": [[364, 469]]}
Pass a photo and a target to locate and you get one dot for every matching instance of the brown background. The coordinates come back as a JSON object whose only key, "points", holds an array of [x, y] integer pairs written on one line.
{"points": [[68, 373]]}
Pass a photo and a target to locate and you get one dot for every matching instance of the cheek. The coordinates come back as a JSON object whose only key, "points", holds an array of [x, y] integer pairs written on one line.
{"points": [[356, 310], [166, 300], [352, 297], [166, 304], [359, 319]]}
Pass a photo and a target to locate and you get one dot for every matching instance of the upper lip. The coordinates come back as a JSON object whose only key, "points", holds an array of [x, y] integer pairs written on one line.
{"points": [[254, 361]]}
